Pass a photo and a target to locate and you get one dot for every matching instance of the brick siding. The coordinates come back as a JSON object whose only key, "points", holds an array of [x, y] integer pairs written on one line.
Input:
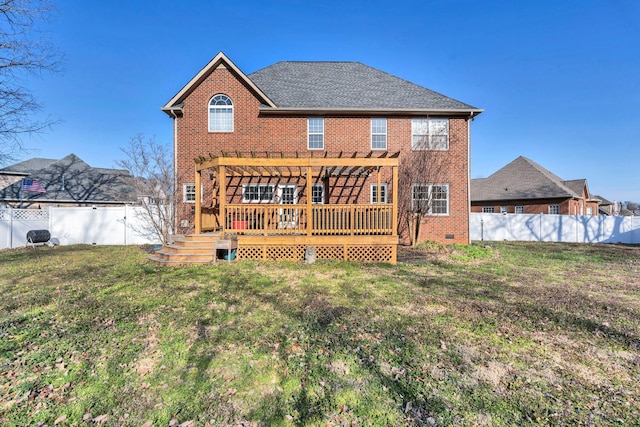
{"points": [[539, 206]]}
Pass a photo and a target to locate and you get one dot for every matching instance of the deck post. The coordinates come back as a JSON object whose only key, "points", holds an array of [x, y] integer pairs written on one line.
{"points": [[198, 208], [379, 189], [309, 202], [394, 212], [223, 197]]}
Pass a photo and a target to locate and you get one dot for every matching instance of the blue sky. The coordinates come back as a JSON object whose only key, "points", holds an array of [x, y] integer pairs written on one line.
{"points": [[559, 80]]}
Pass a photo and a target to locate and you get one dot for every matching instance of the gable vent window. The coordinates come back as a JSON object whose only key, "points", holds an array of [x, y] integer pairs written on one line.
{"points": [[220, 114]]}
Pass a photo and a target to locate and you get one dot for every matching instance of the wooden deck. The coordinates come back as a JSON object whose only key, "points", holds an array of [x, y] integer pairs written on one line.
{"points": [[275, 230]]}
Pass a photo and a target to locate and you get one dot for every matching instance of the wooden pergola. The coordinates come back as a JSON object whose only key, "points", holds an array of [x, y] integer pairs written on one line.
{"points": [[360, 231]]}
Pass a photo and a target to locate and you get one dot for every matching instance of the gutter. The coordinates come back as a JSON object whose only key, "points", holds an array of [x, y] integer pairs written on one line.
{"points": [[466, 113], [173, 114], [469, 177]]}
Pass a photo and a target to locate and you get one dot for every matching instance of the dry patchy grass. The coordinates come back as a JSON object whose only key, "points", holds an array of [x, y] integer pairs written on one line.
{"points": [[533, 334]]}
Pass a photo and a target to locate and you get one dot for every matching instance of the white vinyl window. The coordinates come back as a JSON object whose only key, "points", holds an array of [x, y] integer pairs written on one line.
{"points": [[374, 193], [317, 194], [378, 134], [257, 193], [220, 114], [315, 127], [554, 209], [430, 134], [488, 209], [519, 209], [189, 193], [432, 199]]}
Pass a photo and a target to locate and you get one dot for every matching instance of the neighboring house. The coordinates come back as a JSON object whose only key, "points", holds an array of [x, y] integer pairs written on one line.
{"points": [[344, 125], [523, 186], [65, 182], [609, 208]]}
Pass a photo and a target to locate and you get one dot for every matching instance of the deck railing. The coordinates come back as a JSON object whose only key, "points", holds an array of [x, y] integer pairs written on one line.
{"points": [[327, 220]]}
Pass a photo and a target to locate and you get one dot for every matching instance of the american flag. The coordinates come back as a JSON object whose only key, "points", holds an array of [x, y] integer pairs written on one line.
{"points": [[33, 186]]}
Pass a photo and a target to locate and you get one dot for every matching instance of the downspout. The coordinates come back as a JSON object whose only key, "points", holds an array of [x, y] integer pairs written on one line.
{"points": [[175, 170], [469, 178]]}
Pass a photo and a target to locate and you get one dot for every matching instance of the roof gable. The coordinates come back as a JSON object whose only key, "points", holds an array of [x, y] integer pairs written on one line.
{"points": [[520, 180], [175, 103]]}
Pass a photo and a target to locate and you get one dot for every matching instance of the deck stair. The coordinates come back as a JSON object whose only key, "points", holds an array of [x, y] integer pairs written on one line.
{"points": [[187, 249]]}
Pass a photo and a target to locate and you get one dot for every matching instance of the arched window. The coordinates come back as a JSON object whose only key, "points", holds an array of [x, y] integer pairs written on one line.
{"points": [[220, 114]]}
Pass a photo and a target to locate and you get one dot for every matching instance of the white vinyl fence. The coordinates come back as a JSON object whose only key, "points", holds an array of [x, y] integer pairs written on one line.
{"points": [[555, 228], [77, 225]]}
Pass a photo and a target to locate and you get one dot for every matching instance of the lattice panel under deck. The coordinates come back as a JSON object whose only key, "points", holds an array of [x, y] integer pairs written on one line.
{"points": [[362, 253], [289, 253], [370, 253], [330, 252], [249, 252]]}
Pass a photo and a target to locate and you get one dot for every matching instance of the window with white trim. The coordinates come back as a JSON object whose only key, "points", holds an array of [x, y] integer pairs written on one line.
{"points": [[189, 193], [315, 133], [374, 193], [432, 199], [378, 134], [317, 194], [258, 193], [504, 209], [554, 209], [488, 209], [589, 210], [220, 114], [430, 134], [519, 209]]}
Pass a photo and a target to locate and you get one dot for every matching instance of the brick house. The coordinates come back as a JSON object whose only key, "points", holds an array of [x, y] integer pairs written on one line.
{"points": [[525, 187], [317, 110]]}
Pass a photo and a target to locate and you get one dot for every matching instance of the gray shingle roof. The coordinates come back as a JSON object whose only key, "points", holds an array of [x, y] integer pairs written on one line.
{"points": [[345, 85], [29, 166], [576, 185], [603, 201], [524, 179], [70, 179]]}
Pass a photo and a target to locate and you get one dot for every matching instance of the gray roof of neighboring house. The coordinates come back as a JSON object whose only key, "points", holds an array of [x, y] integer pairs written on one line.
{"points": [[29, 166], [603, 201], [576, 185], [345, 85], [70, 179], [524, 179]]}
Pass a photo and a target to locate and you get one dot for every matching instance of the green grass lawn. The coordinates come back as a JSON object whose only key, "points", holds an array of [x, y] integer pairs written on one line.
{"points": [[534, 334]]}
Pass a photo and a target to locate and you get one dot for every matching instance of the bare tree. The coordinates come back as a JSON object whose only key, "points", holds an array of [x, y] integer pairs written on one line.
{"points": [[151, 165], [632, 206], [423, 177], [22, 53]]}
